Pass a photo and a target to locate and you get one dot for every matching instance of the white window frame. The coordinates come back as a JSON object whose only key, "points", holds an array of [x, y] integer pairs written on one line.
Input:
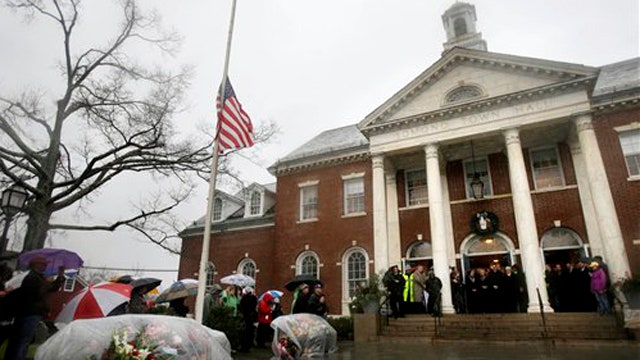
{"points": [[255, 209], [244, 262], [626, 131], [211, 275], [346, 196], [345, 267], [406, 188], [302, 187], [467, 168], [69, 284], [533, 169], [300, 262], [216, 215]]}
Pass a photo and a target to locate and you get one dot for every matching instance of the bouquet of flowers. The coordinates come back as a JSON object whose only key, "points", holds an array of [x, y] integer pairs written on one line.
{"points": [[142, 347]]}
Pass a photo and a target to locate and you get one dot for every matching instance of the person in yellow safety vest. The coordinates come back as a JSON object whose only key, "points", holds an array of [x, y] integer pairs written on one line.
{"points": [[408, 289]]}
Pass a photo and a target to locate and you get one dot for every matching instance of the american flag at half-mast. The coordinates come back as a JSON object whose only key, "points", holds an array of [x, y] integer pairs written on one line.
{"points": [[235, 130]]}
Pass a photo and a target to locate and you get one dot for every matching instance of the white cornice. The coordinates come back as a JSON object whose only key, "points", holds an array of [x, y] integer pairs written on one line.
{"points": [[355, 155], [482, 105], [452, 58]]}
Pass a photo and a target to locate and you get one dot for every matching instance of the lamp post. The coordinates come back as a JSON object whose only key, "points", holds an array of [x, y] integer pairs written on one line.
{"points": [[477, 186], [12, 202]]}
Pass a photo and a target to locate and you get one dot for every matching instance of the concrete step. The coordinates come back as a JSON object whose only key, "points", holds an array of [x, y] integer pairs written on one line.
{"points": [[506, 327]]}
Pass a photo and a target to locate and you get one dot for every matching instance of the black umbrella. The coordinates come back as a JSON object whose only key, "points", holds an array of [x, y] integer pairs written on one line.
{"points": [[302, 279], [144, 285]]}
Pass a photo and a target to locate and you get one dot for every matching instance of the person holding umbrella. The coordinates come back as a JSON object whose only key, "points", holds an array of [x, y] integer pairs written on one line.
{"points": [[32, 306]]}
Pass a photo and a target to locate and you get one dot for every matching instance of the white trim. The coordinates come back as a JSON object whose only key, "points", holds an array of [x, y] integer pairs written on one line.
{"points": [[244, 262], [308, 183], [624, 156], [408, 252], [575, 236], [632, 126], [345, 274], [71, 287], [301, 189], [344, 195], [303, 255], [352, 176], [352, 215], [248, 204], [533, 170]]}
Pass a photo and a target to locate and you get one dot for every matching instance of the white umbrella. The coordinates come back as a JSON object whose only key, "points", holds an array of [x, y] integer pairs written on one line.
{"points": [[240, 280]]}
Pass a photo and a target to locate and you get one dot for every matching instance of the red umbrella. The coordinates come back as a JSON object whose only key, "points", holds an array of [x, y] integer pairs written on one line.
{"points": [[96, 301]]}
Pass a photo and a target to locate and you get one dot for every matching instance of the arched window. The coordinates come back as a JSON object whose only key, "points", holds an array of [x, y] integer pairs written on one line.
{"points": [[217, 209], [420, 250], [307, 264], [254, 207], [463, 93], [460, 26], [247, 267], [211, 275], [356, 270]]}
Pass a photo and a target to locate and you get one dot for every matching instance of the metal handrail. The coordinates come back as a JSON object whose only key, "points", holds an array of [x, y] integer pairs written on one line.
{"points": [[384, 318], [545, 331]]}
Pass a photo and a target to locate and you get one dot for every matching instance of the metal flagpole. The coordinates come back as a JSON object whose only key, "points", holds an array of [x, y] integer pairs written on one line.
{"points": [[204, 257]]}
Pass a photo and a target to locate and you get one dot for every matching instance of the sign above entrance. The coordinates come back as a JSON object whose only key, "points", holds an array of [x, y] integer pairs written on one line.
{"points": [[484, 223]]}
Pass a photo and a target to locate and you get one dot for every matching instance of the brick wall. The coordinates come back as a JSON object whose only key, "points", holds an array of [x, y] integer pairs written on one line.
{"points": [[330, 236]]}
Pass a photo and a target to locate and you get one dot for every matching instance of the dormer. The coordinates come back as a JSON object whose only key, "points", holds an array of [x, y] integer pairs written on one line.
{"points": [[258, 199], [224, 205]]}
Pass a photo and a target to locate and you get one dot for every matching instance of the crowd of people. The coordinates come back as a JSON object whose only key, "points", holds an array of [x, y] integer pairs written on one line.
{"points": [[23, 308], [414, 291], [576, 287]]}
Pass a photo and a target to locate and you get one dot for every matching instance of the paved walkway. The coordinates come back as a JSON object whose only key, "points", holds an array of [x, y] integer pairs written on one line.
{"points": [[474, 351]]}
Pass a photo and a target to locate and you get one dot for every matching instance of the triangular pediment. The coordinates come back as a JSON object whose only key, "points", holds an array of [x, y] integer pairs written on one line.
{"points": [[463, 76]]}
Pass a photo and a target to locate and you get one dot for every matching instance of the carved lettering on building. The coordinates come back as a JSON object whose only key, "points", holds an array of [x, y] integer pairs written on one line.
{"points": [[475, 119]]}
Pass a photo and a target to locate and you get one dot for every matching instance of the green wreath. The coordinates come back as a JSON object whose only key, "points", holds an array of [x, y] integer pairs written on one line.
{"points": [[484, 223]]}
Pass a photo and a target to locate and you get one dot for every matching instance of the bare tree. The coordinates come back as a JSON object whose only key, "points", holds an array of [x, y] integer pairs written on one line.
{"points": [[112, 118]]}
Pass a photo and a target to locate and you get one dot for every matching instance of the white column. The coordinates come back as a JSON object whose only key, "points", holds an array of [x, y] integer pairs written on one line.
{"points": [[526, 224], [448, 219], [393, 218], [380, 243], [604, 206], [438, 227], [586, 202]]}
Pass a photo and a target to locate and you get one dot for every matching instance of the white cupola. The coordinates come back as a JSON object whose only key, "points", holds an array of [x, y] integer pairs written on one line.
{"points": [[460, 25]]}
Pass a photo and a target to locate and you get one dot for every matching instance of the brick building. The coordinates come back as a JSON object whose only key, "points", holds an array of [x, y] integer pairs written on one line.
{"points": [[482, 157]]}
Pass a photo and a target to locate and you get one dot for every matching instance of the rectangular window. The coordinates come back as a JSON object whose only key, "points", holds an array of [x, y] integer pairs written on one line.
{"points": [[481, 167], [416, 184], [309, 202], [630, 142], [254, 208], [547, 171], [69, 284], [217, 209], [354, 196]]}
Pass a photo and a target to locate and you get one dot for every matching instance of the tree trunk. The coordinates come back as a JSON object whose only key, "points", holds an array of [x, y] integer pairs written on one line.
{"points": [[37, 226]]}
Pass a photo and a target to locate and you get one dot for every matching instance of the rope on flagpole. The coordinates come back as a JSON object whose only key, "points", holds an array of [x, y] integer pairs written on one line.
{"points": [[204, 256]]}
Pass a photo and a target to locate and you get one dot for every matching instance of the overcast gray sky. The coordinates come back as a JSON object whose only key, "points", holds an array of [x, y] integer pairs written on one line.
{"points": [[309, 66]]}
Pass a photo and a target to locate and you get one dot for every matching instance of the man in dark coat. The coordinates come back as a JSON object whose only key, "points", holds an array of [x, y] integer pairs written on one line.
{"points": [[394, 282], [248, 308], [434, 285], [32, 307]]}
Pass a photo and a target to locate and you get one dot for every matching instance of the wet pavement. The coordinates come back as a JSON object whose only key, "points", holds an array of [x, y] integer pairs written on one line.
{"points": [[475, 351]]}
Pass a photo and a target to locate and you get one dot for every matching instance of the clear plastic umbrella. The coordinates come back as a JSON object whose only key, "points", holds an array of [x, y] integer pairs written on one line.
{"points": [[240, 280]]}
